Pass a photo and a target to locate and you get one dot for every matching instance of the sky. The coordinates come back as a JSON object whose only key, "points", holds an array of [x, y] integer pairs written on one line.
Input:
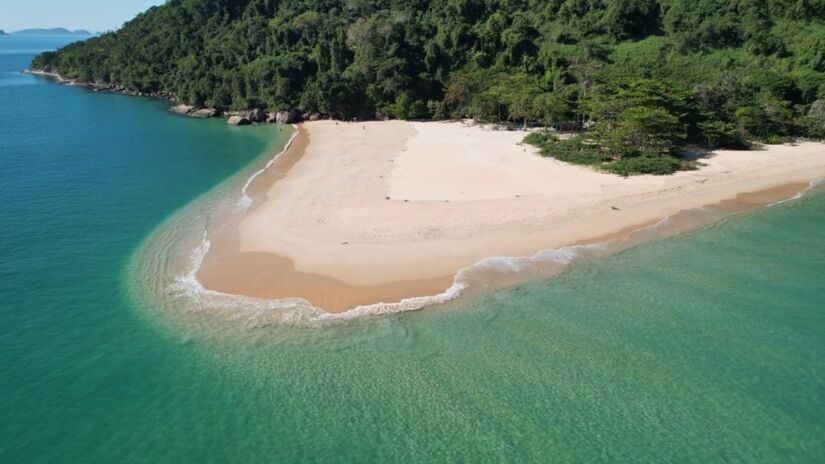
{"points": [[93, 15]]}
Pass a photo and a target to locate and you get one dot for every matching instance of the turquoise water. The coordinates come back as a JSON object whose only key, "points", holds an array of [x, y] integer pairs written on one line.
{"points": [[708, 347]]}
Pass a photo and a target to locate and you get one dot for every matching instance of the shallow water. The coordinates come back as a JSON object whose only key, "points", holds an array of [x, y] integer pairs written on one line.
{"points": [[708, 347]]}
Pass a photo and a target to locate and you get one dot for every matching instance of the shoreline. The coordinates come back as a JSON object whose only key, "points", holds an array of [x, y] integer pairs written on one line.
{"points": [[233, 118], [100, 87], [232, 267]]}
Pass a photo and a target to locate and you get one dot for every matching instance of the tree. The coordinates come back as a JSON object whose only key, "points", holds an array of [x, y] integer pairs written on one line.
{"points": [[754, 64], [640, 116], [643, 129]]}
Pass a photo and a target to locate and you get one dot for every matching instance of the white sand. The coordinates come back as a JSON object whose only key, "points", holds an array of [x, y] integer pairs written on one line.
{"points": [[459, 194]]}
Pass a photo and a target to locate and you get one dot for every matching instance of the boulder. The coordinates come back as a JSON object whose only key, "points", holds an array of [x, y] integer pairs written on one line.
{"points": [[257, 115], [286, 117], [314, 117], [271, 118], [238, 121], [204, 113], [182, 109]]}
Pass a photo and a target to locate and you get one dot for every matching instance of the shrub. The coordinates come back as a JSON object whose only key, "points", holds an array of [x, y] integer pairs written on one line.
{"points": [[575, 151], [644, 164], [774, 139], [540, 139]]}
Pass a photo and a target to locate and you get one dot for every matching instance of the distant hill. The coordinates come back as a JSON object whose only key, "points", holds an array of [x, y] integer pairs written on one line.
{"points": [[642, 75], [2, 32], [54, 31]]}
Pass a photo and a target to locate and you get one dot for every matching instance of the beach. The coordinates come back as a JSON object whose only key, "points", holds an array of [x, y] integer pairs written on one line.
{"points": [[356, 214]]}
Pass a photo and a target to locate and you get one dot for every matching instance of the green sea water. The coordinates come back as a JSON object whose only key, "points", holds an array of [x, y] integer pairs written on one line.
{"points": [[707, 347]]}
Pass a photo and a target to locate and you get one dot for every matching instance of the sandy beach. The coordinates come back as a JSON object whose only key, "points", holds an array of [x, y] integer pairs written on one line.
{"points": [[355, 214]]}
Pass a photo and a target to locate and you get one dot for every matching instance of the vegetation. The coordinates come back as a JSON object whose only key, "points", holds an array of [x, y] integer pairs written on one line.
{"points": [[584, 150], [640, 123], [645, 75]]}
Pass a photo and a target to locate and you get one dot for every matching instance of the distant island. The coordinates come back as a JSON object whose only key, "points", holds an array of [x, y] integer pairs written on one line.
{"points": [[53, 31], [2, 32]]}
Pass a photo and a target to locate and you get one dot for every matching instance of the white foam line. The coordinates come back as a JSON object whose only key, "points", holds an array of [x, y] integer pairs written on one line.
{"points": [[564, 256], [246, 201], [299, 310], [189, 286], [811, 185]]}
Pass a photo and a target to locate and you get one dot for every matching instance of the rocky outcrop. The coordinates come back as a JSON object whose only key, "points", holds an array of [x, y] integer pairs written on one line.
{"points": [[120, 89], [182, 109], [234, 118], [238, 120], [254, 115], [204, 113], [286, 117], [257, 115], [99, 86], [195, 111]]}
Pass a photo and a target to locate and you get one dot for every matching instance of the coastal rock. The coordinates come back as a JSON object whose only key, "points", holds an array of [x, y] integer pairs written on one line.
{"points": [[257, 115], [238, 121], [204, 113], [180, 109], [286, 117], [271, 117]]}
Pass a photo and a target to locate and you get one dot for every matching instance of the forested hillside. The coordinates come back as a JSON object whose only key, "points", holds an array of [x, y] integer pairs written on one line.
{"points": [[710, 71]]}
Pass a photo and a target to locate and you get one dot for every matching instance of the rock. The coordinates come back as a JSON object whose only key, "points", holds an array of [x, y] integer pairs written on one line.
{"points": [[314, 117], [180, 109], [238, 121], [286, 117], [204, 113], [271, 118], [257, 115]]}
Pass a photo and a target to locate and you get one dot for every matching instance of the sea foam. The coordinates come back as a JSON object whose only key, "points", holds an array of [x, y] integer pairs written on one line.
{"points": [[811, 186], [246, 201]]}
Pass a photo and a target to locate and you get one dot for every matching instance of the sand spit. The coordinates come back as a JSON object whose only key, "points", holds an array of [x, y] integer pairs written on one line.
{"points": [[357, 214]]}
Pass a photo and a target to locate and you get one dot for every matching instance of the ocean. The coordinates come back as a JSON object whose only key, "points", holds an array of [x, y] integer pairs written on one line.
{"points": [[705, 347]]}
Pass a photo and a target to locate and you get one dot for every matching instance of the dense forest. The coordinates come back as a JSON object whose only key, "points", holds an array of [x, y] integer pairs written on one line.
{"points": [[645, 76]]}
